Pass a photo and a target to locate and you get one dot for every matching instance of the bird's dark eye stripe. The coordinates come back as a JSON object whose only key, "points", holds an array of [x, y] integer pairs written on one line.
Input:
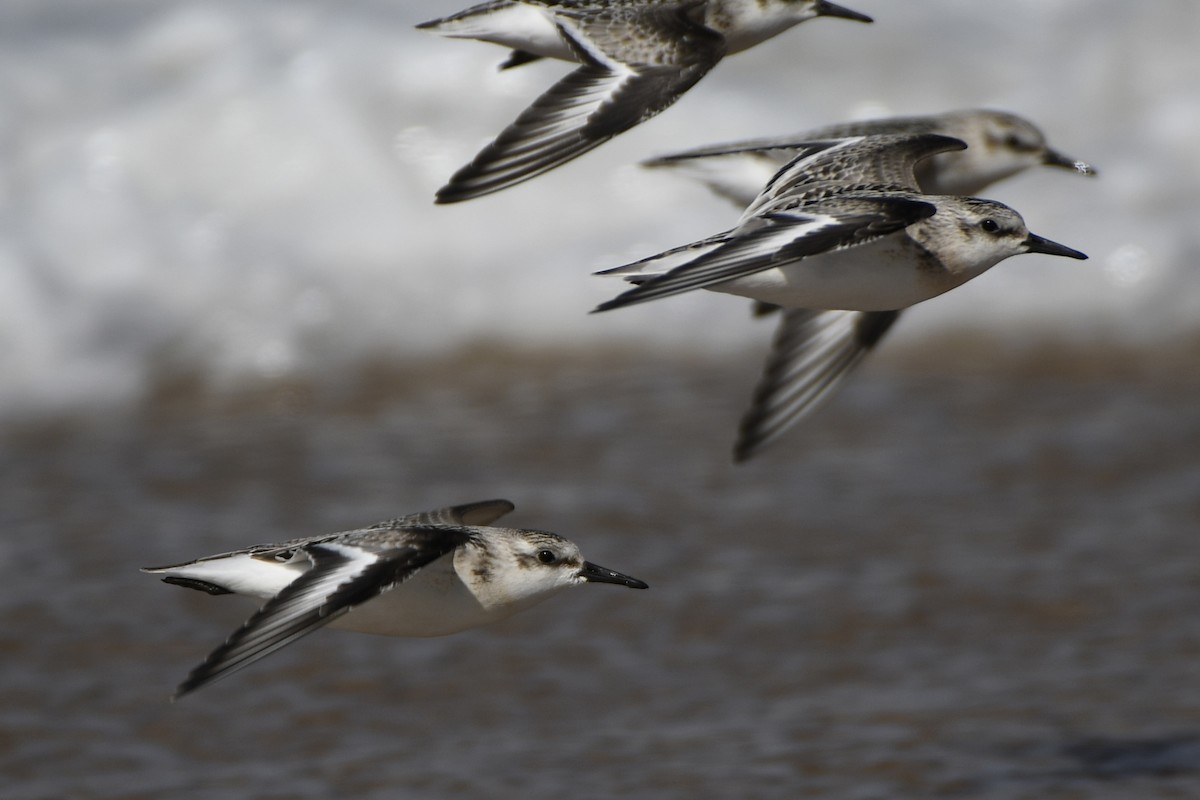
{"points": [[1019, 144], [546, 556]]}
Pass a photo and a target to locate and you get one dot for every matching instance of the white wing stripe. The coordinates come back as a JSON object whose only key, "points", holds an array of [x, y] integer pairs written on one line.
{"points": [[282, 619]]}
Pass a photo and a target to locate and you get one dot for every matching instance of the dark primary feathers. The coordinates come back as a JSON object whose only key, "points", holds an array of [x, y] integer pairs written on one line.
{"points": [[479, 514], [901, 126], [618, 86], [782, 237], [341, 577], [484, 512], [812, 352]]}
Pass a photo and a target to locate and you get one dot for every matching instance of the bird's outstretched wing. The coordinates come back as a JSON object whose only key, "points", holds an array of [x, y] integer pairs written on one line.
{"points": [[812, 353], [887, 160], [777, 238], [736, 171], [345, 572], [621, 83], [482, 513]]}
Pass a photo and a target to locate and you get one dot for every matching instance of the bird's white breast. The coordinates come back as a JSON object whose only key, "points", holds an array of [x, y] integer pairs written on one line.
{"points": [[443, 598], [880, 276], [433, 602]]}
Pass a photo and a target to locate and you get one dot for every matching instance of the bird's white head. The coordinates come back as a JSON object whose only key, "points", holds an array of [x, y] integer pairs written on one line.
{"points": [[999, 145], [971, 235], [511, 569], [746, 23]]}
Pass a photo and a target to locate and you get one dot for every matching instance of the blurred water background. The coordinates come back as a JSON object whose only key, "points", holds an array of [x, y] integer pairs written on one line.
{"points": [[230, 313]]}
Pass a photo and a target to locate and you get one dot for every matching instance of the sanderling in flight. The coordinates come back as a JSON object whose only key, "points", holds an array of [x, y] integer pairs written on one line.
{"points": [[824, 346], [426, 574], [999, 145], [637, 57], [844, 228]]}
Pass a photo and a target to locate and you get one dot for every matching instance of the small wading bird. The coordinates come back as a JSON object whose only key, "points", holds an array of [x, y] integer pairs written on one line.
{"points": [[999, 145], [826, 345], [637, 57], [426, 574], [843, 229]]}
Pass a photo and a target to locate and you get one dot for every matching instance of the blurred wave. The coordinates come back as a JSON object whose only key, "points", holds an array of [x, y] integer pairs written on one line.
{"points": [[241, 189]]}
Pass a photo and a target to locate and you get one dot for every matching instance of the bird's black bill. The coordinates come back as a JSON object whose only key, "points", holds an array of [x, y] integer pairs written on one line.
{"points": [[596, 574], [1036, 244], [832, 10], [1053, 159]]}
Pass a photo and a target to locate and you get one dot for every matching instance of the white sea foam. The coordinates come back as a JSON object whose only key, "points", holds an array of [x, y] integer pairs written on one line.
{"points": [[243, 188]]}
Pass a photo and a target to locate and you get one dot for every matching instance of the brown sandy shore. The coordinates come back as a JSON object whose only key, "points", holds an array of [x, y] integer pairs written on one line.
{"points": [[975, 575]]}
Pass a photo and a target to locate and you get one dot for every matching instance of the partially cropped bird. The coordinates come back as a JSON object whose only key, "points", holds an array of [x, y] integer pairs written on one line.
{"points": [[636, 58], [999, 145], [842, 239]]}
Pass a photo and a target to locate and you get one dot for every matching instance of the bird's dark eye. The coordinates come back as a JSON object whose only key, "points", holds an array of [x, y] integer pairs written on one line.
{"points": [[1015, 142], [990, 225], [546, 556]]}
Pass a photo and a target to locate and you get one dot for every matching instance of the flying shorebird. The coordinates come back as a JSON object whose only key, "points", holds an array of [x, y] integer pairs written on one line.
{"points": [[637, 57], [999, 145], [828, 344], [843, 228], [427, 574]]}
